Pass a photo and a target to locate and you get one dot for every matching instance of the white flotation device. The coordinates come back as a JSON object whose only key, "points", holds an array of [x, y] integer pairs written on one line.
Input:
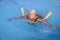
{"points": [[46, 17]]}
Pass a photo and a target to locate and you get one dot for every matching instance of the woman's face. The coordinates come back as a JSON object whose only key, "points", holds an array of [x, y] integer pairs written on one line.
{"points": [[32, 14]]}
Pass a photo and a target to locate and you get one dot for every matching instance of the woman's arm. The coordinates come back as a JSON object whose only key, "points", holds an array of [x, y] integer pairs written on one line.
{"points": [[22, 17], [44, 22]]}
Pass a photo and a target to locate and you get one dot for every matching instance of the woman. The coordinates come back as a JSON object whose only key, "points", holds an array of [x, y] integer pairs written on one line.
{"points": [[32, 17]]}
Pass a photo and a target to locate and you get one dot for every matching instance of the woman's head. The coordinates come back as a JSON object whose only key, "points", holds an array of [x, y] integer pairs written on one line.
{"points": [[32, 13]]}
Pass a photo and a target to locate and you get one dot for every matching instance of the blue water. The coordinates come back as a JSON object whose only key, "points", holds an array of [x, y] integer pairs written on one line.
{"points": [[22, 30]]}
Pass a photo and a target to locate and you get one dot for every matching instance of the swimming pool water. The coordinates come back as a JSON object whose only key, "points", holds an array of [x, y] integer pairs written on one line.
{"points": [[22, 30]]}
